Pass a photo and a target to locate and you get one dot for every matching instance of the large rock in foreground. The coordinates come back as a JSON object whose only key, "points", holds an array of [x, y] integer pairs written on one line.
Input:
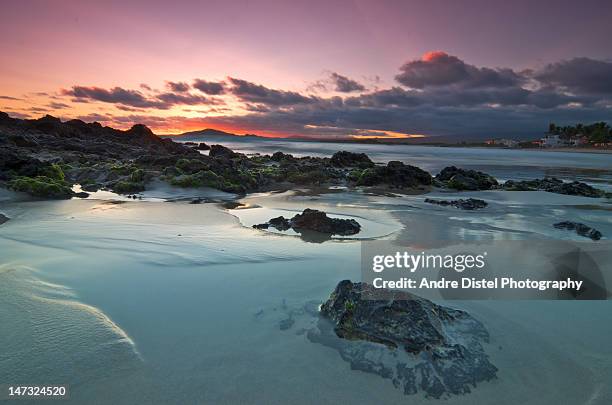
{"points": [[313, 220], [420, 345]]}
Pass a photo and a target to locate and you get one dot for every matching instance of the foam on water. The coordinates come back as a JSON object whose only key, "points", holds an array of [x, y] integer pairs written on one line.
{"points": [[49, 336]]}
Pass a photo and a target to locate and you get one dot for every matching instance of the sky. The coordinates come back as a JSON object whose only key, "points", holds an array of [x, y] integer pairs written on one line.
{"points": [[321, 69]]}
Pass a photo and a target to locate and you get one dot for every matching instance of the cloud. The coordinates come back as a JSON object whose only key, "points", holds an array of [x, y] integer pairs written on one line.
{"points": [[126, 108], [436, 94], [345, 85], [58, 106], [178, 87], [438, 68], [115, 95], [515, 121], [95, 117], [38, 110], [135, 99], [448, 97], [394, 96], [187, 99], [210, 88], [18, 114], [255, 93], [9, 98], [578, 75]]}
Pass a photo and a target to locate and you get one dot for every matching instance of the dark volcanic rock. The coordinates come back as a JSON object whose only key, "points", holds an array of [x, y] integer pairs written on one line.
{"points": [[581, 229], [419, 345], [554, 185], [281, 223], [286, 323], [3, 218], [222, 151], [12, 161], [91, 187], [467, 204], [313, 220], [318, 221], [395, 174], [460, 179], [202, 146], [127, 161], [278, 156], [23, 141], [350, 159]]}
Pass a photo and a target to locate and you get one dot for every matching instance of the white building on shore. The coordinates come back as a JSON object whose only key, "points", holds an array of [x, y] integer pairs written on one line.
{"points": [[551, 141], [509, 143]]}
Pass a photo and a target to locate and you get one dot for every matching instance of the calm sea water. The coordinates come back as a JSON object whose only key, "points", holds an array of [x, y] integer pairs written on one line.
{"points": [[504, 164]]}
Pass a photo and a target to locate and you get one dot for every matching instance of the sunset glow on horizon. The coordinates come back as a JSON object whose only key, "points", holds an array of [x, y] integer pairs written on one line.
{"points": [[269, 68]]}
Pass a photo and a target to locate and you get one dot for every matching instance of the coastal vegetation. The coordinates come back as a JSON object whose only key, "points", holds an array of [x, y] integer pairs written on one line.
{"points": [[596, 133], [41, 186]]}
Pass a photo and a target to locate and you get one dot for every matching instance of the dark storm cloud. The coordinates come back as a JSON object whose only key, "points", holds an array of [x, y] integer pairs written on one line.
{"points": [[116, 95], [178, 87], [579, 75], [441, 69], [522, 121], [135, 99], [442, 97], [394, 96], [126, 108], [255, 93], [176, 99], [345, 85], [210, 88]]}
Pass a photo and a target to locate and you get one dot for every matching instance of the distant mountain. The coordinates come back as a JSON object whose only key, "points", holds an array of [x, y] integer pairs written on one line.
{"points": [[211, 134], [215, 135]]}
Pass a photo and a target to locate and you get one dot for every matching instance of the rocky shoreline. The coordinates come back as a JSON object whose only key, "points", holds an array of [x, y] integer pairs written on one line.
{"points": [[45, 157]]}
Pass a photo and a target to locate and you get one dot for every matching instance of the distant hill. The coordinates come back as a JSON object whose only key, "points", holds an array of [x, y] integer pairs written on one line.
{"points": [[215, 135], [211, 134]]}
